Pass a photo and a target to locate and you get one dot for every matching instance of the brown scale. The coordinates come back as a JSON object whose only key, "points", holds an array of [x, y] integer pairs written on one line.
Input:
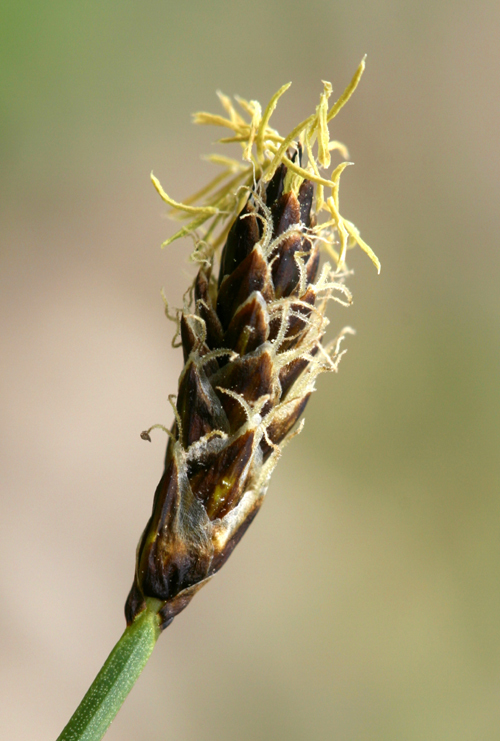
{"points": [[290, 210], [274, 188], [191, 342], [291, 373], [251, 377], [285, 213], [283, 423], [242, 237], [167, 565], [306, 194], [199, 408], [221, 557], [312, 264], [206, 311], [251, 275], [221, 485], [249, 327], [296, 325], [188, 338]]}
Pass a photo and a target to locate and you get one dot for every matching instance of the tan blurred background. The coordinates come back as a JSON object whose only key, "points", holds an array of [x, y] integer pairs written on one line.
{"points": [[364, 603]]}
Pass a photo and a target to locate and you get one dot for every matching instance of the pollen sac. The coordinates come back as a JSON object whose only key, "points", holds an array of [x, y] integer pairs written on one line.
{"points": [[251, 340]]}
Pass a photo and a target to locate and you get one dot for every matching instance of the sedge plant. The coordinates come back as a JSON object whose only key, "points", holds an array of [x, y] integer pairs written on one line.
{"points": [[251, 331]]}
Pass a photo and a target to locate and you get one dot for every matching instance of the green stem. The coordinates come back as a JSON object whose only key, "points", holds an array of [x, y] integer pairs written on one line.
{"points": [[121, 670]]}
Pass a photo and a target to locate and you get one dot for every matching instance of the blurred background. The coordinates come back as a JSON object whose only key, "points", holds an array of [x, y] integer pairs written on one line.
{"points": [[364, 602]]}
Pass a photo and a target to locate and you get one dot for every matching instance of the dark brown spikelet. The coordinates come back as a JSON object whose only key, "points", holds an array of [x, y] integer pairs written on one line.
{"points": [[252, 341], [252, 350]]}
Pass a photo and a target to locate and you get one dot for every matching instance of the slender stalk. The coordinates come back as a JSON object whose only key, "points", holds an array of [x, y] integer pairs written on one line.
{"points": [[116, 678]]}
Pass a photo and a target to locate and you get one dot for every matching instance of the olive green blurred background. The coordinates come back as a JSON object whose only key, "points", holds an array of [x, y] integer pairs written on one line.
{"points": [[364, 602]]}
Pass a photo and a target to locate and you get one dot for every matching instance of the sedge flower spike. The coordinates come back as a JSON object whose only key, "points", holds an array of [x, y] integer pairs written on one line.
{"points": [[251, 332]]}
